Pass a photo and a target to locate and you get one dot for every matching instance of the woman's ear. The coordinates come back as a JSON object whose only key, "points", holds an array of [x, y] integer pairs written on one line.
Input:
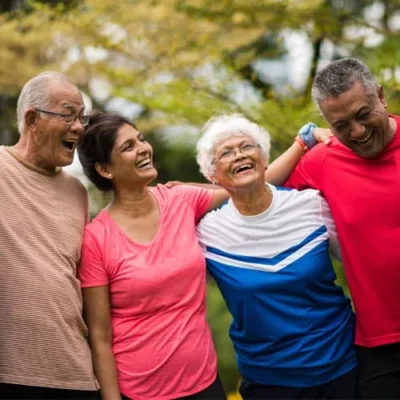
{"points": [[213, 179], [104, 170]]}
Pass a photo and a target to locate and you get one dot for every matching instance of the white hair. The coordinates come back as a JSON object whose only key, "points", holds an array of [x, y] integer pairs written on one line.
{"points": [[221, 127], [36, 94]]}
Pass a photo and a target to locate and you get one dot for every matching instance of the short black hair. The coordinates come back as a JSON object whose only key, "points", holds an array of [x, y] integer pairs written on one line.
{"points": [[97, 143]]}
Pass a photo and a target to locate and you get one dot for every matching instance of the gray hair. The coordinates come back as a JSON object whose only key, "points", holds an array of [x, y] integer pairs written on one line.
{"points": [[221, 127], [340, 76], [36, 94]]}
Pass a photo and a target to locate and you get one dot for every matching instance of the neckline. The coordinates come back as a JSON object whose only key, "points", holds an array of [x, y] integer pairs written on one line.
{"points": [[261, 215], [126, 236], [29, 165]]}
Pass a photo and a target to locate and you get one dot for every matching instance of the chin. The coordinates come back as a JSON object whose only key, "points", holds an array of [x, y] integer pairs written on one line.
{"points": [[64, 162], [151, 175], [246, 181]]}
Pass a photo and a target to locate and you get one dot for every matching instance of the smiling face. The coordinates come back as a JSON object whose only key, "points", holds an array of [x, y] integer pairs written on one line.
{"points": [[238, 163], [53, 140], [131, 159], [359, 120]]}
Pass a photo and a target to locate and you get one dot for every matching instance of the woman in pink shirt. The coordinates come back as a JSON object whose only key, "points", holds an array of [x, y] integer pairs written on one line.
{"points": [[143, 274]]}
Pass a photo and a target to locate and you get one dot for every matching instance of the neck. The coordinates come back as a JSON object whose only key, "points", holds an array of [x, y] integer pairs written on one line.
{"points": [[135, 203], [392, 127], [252, 201], [26, 150]]}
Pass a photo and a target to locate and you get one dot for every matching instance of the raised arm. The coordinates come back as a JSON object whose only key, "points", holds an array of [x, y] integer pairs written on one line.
{"points": [[98, 319], [279, 171]]}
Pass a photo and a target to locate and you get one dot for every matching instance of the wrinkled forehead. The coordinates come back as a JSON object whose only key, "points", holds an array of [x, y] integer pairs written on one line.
{"points": [[354, 98], [232, 139], [66, 96]]}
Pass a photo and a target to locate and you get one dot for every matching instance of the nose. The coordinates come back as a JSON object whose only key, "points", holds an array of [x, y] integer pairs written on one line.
{"points": [[238, 154], [144, 147], [77, 126], [357, 130]]}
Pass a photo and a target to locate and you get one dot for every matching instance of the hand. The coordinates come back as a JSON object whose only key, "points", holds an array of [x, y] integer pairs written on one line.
{"points": [[322, 135], [171, 184]]}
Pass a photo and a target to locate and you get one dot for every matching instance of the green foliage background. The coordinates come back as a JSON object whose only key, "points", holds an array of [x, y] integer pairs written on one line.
{"points": [[183, 61]]}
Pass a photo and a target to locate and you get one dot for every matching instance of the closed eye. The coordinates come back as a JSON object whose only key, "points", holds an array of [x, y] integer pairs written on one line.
{"points": [[226, 153], [127, 147], [364, 116], [247, 146]]}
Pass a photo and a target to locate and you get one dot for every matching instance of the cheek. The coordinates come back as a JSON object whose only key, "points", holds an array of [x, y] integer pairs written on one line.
{"points": [[377, 119], [221, 173], [341, 136]]}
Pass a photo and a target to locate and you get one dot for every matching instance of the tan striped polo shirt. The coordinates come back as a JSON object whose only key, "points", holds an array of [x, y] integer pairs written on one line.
{"points": [[43, 339]]}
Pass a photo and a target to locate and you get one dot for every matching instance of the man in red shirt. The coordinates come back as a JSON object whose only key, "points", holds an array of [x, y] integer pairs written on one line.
{"points": [[359, 175]]}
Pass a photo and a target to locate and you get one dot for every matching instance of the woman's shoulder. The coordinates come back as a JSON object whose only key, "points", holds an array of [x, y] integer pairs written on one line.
{"points": [[98, 226], [179, 193]]}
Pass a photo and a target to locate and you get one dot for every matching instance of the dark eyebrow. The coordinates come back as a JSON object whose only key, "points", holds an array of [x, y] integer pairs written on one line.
{"points": [[121, 147], [363, 109]]}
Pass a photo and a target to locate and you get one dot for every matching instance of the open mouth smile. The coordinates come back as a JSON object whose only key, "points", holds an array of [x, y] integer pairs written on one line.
{"points": [[69, 144], [146, 163], [365, 140], [243, 168]]}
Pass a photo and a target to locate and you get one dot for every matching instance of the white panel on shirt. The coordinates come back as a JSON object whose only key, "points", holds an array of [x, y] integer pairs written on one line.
{"points": [[292, 216]]}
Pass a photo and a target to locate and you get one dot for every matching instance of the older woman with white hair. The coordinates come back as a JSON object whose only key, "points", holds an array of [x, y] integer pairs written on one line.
{"points": [[268, 250]]}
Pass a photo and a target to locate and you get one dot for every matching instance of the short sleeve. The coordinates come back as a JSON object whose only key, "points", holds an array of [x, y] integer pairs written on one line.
{"points": [[92, 270], [197, 197], [307, 173]]}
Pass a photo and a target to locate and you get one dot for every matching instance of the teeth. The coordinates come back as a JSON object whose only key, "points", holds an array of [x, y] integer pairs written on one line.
{"points": [[241, 167], [366, 139], [143, 163]]}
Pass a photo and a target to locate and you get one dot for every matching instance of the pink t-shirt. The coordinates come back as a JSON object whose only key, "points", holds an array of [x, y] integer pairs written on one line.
{"points": [[161, 341], [364, 197]]}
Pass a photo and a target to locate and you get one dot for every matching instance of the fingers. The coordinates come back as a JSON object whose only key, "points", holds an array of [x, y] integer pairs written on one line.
{"points": [[171, 184], [323, 135]]}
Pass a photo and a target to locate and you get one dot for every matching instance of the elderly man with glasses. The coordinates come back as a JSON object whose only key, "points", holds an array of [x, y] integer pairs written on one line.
{"points": [[44, 353]]}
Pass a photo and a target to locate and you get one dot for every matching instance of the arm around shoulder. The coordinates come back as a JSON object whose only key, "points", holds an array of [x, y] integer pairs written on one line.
{"points": [[219, 197], [281, 169]]}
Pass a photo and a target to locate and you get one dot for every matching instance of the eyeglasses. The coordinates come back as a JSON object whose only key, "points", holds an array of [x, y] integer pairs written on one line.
{"points": [[229, 154], [68, 118]]}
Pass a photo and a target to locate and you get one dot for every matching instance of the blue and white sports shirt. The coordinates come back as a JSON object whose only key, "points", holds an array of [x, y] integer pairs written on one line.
{"points": [[292, 326]]}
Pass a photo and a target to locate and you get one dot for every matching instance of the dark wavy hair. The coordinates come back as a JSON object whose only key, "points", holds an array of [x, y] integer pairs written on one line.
{"points": [[97, 143]]}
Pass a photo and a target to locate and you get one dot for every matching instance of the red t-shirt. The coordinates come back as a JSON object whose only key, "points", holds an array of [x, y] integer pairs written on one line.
{"points": [[364, 197], [161, 341]]}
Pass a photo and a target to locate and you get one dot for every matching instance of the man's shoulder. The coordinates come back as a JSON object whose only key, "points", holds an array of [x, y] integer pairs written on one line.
{"points": [[5, 157], [73, 183]]}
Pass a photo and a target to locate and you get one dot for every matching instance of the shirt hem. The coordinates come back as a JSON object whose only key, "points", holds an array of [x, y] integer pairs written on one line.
{"points": [[309, 380], [39, 382], [378, 341], [175, 395]]}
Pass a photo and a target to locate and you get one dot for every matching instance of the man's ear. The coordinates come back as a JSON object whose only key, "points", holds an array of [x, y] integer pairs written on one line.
{"points": [[104, 170], [382, 96], [30, 118]]}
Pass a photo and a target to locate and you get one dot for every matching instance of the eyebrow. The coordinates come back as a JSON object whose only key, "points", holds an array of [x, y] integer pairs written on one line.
{"points": [[231, 147], [72, 107], [363, 109], [121, 146]]}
